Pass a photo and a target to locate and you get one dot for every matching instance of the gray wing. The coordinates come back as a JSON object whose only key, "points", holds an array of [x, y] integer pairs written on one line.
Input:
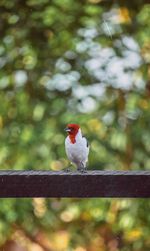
{"points": [[87, 144]]}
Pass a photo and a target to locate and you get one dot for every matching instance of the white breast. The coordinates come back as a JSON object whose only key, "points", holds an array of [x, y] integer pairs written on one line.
{"points": [[78, 152]]}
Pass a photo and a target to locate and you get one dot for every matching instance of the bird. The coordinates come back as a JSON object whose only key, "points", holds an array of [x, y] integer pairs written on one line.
{"points": [[77, 147]]}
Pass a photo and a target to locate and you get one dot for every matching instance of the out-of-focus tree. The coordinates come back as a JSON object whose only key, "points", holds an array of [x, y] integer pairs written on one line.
{"points": [[74, 61]]}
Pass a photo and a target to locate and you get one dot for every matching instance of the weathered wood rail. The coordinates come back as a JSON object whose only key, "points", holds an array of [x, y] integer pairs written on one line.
{"points": [[121, 184]]}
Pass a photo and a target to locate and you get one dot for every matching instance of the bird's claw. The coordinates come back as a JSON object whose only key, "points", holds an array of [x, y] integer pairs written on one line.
{"points": [[82, 170], [66, 170]]}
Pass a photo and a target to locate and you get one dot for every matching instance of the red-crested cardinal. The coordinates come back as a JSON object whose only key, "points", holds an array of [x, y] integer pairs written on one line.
{"points": [[76, 146]]}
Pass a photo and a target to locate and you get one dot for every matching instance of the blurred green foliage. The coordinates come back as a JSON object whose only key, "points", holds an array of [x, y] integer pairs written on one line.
{"points": [[86, 62]]}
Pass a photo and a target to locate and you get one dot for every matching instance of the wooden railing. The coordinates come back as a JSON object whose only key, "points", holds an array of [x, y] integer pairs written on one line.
{"points": [[122, 184]]}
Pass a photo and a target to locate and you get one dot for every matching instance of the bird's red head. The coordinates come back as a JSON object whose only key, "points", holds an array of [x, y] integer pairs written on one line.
{"points": [[72, 130]]}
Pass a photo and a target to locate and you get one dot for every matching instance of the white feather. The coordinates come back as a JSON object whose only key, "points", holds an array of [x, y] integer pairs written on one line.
{"points": [[78, 152]]}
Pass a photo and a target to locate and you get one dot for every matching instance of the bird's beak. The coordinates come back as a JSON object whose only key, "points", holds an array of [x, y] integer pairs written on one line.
{"points": [[67, 130]]}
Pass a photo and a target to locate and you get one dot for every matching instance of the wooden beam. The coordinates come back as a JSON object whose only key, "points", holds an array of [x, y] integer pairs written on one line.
{"points": [[121, 184]]}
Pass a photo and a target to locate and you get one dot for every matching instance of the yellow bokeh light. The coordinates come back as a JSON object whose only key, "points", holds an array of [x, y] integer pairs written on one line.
{"points": [[56, 165], [80, 249], [94, 124], [123, 15], [133, 235], [60, 240], [39, 205], [144, 104]]}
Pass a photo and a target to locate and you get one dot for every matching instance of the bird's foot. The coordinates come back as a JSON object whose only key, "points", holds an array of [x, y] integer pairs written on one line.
{"points": [[85, 168], [67, 170], [82, 169]]}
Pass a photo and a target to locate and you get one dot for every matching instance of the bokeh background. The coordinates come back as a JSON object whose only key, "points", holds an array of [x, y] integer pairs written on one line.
{"points": [[87, 62]]}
